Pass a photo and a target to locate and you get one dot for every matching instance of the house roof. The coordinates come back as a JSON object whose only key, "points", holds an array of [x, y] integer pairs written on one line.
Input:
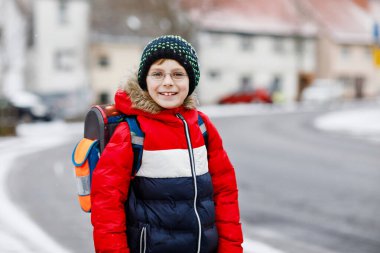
{"points": [[126, 20], [342, 20], [275, 17]]}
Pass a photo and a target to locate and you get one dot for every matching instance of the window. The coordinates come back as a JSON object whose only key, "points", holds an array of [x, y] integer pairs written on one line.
{"points": [[104, 98], [346, 81], [276, 84], [216, 39], [64, 60], [367, 52], [345, 51], [245, 83], [299, 45], [62, 12], [246, 43], [103, 61], [214, 74], [278, 45]]}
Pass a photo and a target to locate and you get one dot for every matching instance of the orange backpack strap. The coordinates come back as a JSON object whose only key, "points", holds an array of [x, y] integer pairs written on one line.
{"points": [[85, 157]]}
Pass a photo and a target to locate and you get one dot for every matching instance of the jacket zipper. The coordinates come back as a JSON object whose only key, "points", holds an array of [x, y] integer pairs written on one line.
{"points": [[143, 240], [193, 172]]}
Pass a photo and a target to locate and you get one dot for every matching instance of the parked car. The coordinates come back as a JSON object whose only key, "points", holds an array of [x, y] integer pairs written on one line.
{"points": [[30, 107], [322, 91], [259, 95]]}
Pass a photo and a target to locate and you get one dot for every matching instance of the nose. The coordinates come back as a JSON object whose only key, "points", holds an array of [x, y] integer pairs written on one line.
{"points": [[168, 80]]}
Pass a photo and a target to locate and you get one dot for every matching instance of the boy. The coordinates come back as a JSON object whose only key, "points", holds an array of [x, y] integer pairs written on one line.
{"points": [[184, 197]]}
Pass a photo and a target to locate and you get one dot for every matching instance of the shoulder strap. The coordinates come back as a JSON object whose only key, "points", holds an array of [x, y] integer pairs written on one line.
{"points": [[137, 137], [203, 128]]}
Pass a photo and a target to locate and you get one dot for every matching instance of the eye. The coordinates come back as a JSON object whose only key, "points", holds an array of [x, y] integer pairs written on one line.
{"points": [[178, 74], [157, 74]]}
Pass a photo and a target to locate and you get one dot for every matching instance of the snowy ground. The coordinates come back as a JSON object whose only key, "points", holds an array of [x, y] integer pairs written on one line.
{"points": [[363, 124], [18, 233]]}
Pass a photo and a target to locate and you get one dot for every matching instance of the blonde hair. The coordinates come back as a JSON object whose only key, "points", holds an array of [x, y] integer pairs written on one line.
{"points": [[160, 61]]}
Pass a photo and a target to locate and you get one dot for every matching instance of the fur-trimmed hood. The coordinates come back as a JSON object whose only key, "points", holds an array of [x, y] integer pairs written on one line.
{"points": [[131, 98]]}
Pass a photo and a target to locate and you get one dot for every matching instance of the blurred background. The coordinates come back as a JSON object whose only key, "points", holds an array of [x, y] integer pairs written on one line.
{"points": [[292, 85], [70, 54]]}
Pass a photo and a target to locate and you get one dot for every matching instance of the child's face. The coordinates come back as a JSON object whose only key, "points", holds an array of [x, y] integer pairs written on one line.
{"points": [[168, 83]]}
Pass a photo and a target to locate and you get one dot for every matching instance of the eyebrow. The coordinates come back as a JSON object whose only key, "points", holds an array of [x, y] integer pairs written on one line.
{"points": [[161, 69]]}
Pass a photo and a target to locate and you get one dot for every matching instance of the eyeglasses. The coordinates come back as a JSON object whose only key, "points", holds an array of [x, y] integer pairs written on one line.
{"points": [[160, 76]]}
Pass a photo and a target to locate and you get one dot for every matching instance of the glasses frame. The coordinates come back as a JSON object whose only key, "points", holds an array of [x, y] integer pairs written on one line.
{"points": [[171, 74]]}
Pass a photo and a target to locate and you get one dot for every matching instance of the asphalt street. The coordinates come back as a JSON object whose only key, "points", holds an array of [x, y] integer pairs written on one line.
{"points": [[301, 190]]}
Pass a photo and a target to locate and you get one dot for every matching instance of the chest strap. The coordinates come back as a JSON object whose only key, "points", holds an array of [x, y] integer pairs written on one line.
{"points": [[137, 137]]}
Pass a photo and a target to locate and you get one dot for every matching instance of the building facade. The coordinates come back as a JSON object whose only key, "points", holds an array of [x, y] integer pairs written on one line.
{"points": [[59, 56], [345, 44], [14, 16], [232, 62], [111, 63], [251, 45]]}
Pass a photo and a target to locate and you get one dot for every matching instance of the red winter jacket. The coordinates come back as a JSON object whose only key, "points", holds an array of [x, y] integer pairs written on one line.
{"points": [[164, 131]]}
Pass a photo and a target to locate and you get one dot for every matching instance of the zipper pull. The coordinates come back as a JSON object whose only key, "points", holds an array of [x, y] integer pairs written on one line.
{"points": [[180, 116]]}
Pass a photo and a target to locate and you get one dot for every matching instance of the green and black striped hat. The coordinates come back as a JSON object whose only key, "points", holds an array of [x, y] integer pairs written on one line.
{"points": [[170, 47]]}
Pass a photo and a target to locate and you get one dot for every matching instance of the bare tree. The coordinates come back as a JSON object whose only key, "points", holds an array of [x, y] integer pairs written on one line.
{"points": [[147, 18]]}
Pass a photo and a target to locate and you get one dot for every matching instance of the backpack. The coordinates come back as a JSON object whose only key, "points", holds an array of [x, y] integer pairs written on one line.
{"points": [[99, 125]]}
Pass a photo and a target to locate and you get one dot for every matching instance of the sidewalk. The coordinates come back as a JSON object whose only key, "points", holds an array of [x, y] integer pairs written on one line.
{"points": [[18, 233]]}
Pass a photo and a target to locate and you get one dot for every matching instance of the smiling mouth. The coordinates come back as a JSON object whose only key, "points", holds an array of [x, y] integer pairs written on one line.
{"points": [[168, 93]]}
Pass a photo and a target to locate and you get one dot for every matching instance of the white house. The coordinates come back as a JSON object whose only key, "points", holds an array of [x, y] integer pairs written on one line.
{"points": [[58, 60], [253, 44], [14, 16], [345, 44]]}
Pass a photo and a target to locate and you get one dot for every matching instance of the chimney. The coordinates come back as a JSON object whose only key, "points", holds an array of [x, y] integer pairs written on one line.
{"points": [[363, 4]]}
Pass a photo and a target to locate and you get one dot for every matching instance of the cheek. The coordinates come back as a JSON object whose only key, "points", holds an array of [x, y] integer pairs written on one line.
{"points": [[185, 88], [151, 87]]}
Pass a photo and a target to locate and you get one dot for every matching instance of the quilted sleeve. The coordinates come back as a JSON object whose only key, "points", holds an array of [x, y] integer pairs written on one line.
{"points": [[225, 193], [109, 191]]}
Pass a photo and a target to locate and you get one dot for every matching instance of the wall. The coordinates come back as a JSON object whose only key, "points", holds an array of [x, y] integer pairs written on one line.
{"points": [[267, 57], [60, 49], [13, 47], [348, 62], [122, 60]]}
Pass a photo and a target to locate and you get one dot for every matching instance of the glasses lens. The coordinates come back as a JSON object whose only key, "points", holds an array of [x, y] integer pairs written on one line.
{"points": [[178, 75], [161, 76], [157, 75]]}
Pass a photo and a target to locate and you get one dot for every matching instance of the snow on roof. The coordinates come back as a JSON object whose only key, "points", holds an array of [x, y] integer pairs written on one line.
{"points": [[275, 17], [123, 20], [342, 20]]}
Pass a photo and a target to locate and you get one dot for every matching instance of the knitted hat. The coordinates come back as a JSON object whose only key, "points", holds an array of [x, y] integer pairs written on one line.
{"points": [[170, 47]]}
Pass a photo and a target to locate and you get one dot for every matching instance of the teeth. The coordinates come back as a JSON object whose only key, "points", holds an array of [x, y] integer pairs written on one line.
{"points": [[167, 93]]}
